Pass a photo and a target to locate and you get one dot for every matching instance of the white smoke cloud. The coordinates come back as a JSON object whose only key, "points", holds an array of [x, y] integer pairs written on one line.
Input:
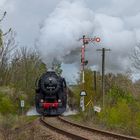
{"points": [[116, 23], [62, 29]]}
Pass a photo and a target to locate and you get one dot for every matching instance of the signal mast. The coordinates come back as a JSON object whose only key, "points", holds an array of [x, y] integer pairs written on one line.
{"points": [[83, 63]]}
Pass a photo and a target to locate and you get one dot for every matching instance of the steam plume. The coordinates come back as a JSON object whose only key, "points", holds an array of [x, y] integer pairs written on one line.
{"points": [[117, 27]]}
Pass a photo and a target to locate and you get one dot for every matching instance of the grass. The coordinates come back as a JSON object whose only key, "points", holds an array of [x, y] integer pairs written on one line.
{"points": [[28, 119]]}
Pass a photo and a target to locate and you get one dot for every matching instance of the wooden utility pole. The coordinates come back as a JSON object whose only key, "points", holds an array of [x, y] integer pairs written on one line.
{"points": [[103, 71]]}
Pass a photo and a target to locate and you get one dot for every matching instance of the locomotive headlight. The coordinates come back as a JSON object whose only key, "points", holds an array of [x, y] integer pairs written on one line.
{"points": [[59, 100], [41, 100]]}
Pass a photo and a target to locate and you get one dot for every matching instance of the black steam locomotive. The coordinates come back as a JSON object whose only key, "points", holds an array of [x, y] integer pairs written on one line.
{"points": [[51, 94]]}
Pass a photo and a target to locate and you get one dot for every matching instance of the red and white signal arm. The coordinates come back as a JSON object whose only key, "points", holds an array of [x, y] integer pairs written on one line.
{"points": [[83, 93]]}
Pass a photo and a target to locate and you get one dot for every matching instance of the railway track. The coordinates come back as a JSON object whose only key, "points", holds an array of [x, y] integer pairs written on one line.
{"points": [[80, 132]]}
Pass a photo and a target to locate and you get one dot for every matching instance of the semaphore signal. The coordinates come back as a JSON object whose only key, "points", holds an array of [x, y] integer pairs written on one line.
{"points": [[86, 40], [85, 62]]}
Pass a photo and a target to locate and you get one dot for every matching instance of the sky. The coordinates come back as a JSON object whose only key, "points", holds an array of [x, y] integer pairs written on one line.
{"points": [[56, 25]]}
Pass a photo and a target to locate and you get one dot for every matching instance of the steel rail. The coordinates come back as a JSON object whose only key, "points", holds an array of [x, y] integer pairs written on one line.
{"points": [[103, 132], [61, 131]]}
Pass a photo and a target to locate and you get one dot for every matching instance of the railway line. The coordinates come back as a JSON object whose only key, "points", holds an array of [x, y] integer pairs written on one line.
{"points": [[80, 132]]}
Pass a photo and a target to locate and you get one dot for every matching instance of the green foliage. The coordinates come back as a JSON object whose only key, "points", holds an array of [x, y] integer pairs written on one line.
{"points": [[121, 111], [26, 68], [73, 99], [115, 94], [6, 105], [93, 96], [57, 66], [121, 116], [88, 87], [20, 75]]}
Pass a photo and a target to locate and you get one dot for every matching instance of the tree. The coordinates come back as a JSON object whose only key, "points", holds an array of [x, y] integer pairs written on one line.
{"points": [[26, 67], [135, 57], [57, 66], [7, 44], [1, 33], [88, 86]]}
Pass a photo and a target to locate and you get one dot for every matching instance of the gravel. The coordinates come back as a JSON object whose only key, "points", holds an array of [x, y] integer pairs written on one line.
{"points": [[37, 132]]}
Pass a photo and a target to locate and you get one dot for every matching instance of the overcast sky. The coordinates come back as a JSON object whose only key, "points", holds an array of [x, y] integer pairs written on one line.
{"points": [[117, 22], [25, 16]]}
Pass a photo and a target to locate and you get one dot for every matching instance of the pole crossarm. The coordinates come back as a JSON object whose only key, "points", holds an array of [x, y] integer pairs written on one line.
{"points": [[104, 49]]}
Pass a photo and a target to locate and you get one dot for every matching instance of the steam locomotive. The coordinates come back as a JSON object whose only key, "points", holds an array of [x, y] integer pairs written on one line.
{"points": [[51, 94]]}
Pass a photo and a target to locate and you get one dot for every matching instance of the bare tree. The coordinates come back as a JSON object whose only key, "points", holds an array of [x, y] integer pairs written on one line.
{"points": [[7, 43], [135, 57], [6, 52]]}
